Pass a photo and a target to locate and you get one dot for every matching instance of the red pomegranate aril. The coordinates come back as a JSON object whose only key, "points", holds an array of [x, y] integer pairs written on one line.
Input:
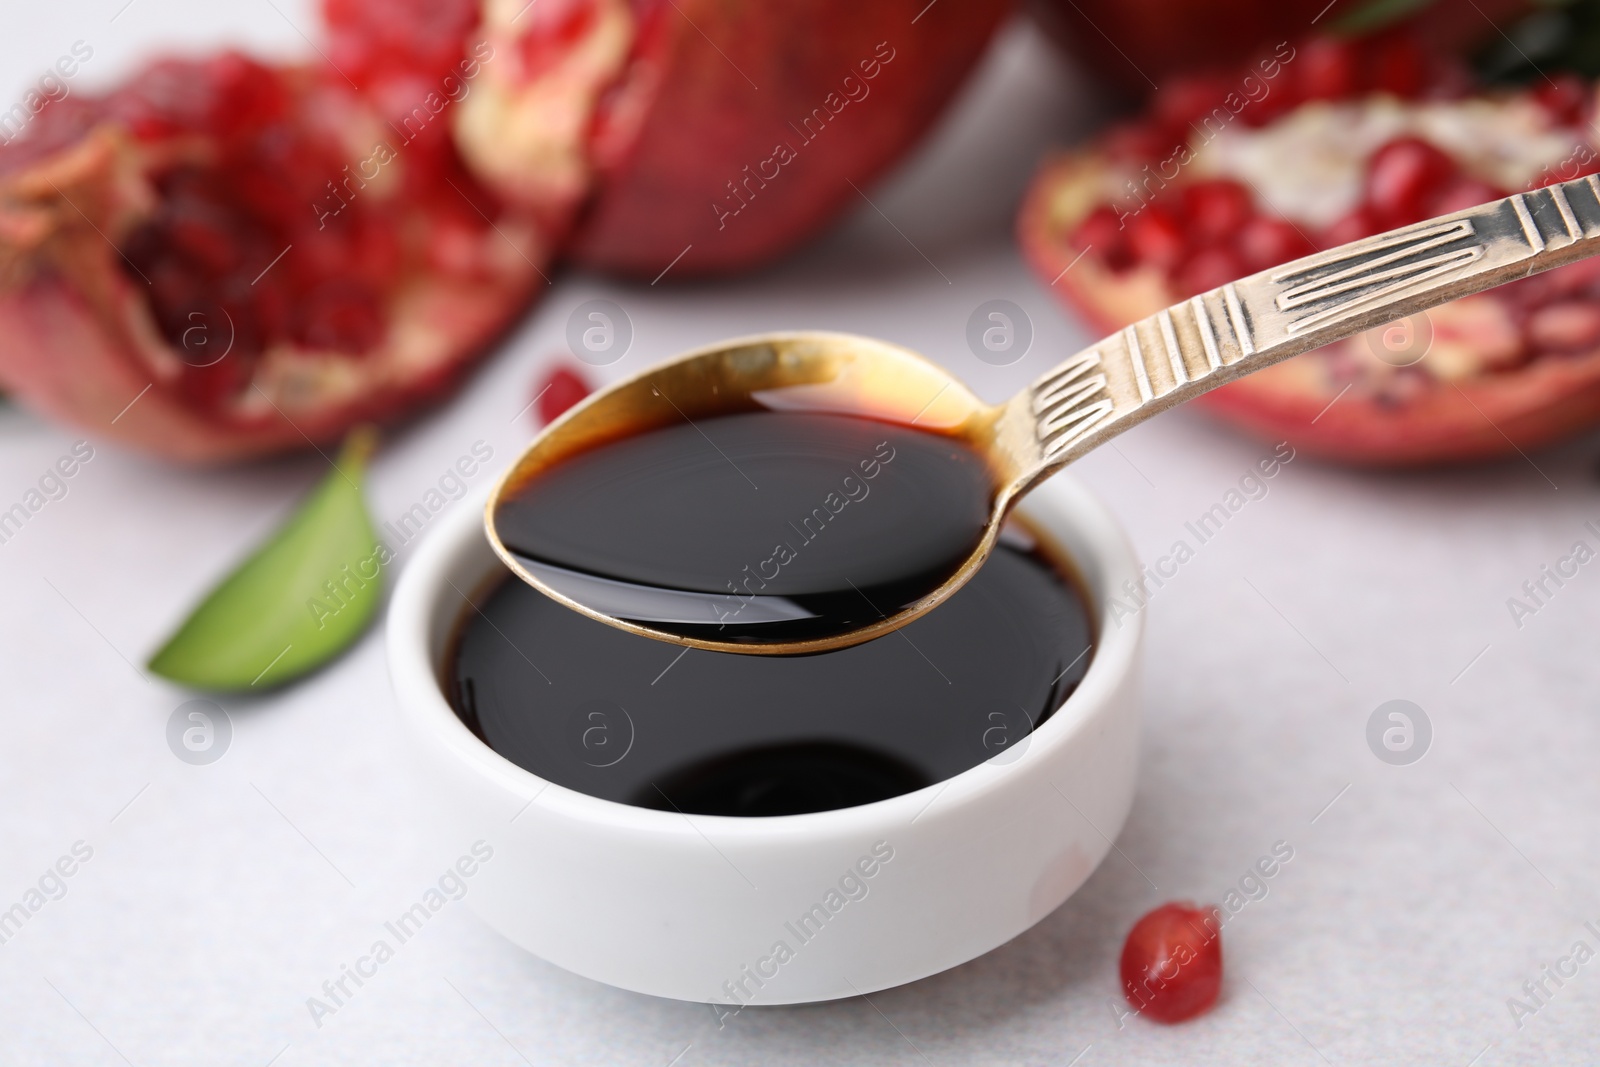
{"points": [[1142, 142], [1579, 280], [1155, 239], [1101, 229], [1326, 69], [1171, 963], [248, 97], [1216, 208], [1265, 242], [1403, 177], [212, 386], [1564, 97], [1187, 100], [252, 209], [342, 317], [1397, 65], [1462, 194], [377, 39], [224, 96], [551, 29], [377, 257], [204, 235], [1357, 224], [560, 389], [1208, 269], [1268, 106]]}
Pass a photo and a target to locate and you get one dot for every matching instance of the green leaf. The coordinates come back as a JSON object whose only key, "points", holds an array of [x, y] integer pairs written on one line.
{"points": [[1376, 14], [302, 598]]}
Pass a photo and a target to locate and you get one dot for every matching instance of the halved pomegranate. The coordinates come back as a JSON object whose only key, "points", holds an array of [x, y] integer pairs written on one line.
{"points": [[1340, 142], [715, 134], [222, 259]]}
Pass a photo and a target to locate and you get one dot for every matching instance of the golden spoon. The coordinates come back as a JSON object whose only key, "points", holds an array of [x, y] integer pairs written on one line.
{"points": [[1120, 381]]}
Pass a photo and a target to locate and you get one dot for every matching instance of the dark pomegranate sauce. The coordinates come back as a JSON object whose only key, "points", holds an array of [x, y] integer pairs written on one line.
{"points": [[758, 526], [626, 718]]}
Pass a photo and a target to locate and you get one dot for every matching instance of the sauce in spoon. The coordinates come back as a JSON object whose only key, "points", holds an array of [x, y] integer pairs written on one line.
{"points": [[757, 526]]}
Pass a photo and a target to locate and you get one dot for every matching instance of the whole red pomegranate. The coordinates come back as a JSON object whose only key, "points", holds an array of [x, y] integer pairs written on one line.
{"points": [[1313, 145], [709, 135], [1137, 44], [221, 259]]}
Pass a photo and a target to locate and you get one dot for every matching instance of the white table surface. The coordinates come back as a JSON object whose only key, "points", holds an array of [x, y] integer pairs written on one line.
{"points": [[219, 898]]}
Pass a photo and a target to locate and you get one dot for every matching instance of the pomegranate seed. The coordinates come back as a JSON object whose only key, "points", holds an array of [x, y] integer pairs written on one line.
{"points": [[1265, 242], [342, 317], [1462, 194], [1563, 96], [373, 39], [215, 385], [1578, 279], [1398, 66], [1278, 102], [1187, 101], [1155, 239], [1208, 269], [560, 389], [246, 96], [1327, 69], [1216, 208], [1354, 226], [273, 309], [550, 33], [1403, 178], [1101, 231], [1172, 963], [260, 191], [1140, 142]]}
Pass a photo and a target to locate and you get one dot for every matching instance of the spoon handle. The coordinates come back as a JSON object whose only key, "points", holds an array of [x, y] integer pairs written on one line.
{"points": [[1226, 333]]}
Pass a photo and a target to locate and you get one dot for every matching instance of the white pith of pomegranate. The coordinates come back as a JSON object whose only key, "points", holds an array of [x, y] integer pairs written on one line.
{"points": [[528, 129], [225, 247], [1318, 161]]}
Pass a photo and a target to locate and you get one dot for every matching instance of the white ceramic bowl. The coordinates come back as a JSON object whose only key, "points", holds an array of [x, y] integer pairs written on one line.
{"points": [[794, 908]]}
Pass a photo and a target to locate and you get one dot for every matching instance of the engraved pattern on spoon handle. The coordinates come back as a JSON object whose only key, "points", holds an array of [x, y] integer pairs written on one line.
{"points": [[1221, 335]]}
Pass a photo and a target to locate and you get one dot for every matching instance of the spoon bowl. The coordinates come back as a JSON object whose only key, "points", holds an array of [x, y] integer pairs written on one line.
{"points": [[811, 371], [1154, 364]]}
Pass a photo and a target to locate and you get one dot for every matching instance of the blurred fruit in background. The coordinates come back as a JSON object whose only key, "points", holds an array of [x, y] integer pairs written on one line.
{"points": [[562, 387], [1135, 45], [221, 259], [1310, 145], [708, 135]]}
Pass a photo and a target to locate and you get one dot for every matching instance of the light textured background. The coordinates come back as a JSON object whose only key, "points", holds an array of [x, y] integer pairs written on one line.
{"points": [[219, 898]]}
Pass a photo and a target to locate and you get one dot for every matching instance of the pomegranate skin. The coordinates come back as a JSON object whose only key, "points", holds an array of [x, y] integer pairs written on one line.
{"points": [[69, 361], [1135, 44], [702, 123], [1547, 402]]}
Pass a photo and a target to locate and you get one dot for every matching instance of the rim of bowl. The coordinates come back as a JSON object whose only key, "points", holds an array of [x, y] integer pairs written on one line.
{"points": [[425, 588]]}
